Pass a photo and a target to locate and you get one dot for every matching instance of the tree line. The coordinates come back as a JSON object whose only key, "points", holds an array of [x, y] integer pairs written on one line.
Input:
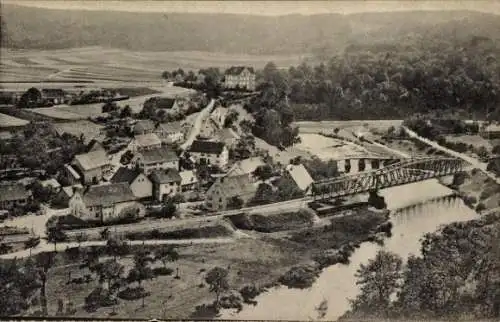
{"points": [[456, 275]]}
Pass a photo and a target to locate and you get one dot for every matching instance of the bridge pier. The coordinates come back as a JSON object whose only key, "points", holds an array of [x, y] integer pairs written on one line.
{"points": [[376, 201]]}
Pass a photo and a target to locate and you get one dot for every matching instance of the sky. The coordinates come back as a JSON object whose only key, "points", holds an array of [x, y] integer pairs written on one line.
{"points": [[270, 8]]}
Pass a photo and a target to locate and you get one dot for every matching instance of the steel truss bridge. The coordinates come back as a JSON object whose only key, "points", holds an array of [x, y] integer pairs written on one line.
{"points": [[403, 172]]}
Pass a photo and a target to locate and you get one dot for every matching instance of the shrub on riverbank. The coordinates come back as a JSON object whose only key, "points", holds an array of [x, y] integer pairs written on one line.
{"points": [[300, 276], [274, 222]]}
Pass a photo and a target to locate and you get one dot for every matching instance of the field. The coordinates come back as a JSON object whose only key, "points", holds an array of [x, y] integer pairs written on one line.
{"points": [[105, 66], [10, 121], [83, 111], [475, 140], [89, 129]]}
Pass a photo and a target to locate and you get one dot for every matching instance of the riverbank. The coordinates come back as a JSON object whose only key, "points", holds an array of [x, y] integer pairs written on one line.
{"points": [[477, 190], [255, 262]]}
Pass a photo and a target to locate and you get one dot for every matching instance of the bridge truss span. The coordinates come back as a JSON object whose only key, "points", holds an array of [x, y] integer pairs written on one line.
{"points": [[406, 171]]}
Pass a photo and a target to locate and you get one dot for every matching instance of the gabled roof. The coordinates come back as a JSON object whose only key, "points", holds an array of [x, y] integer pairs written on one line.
{"points": [[210, 147], [144, 126], [166, 176], [94, 145], [92, 160], [145, 140], [108, 194], [300, 175], [240, 186], [188, 177], [72, 171], [236, 70], [69, 190], [161, 154], [13, 191], [245, 166], [170, 127], [124, 174]]}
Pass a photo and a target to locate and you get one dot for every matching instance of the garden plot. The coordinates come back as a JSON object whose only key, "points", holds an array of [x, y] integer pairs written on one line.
{"points": [[8, 121]]}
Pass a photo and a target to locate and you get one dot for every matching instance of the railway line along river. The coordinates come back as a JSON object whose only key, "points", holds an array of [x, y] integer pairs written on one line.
{"points": [[416, 209]]}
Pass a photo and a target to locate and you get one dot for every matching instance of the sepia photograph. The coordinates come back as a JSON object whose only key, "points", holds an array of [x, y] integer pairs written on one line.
{"points": [[250, 160]]}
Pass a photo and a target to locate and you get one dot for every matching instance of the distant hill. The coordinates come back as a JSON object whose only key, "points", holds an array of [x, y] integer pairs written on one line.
{"points": [[35, 28]]}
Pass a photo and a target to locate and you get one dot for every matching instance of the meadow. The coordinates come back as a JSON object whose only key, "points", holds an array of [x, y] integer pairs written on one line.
{"points": [[99, 64]]}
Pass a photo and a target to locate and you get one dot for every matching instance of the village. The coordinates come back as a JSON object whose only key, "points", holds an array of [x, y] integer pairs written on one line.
{"points": [[204, 164]]}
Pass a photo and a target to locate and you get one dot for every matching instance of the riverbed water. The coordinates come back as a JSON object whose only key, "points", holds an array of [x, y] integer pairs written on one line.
{"points": [[416, 209]]}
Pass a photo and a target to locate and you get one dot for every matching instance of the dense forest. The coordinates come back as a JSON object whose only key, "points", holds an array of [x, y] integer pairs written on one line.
{"points": [[323, 34], [429, 75], [456, 276]]}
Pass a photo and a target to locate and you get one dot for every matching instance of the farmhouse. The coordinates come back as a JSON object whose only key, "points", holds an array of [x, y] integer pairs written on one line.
{"points": [[225, 189], [209, 152], [139, 183], [13, 195], [155, 159], [104, 202], [189, 181], [65, 193], [491, 131], [240, 77], [54, 95], [300, 175], [145, 142], [144, 127], [92, 166], [170, 132], [165, 183]]}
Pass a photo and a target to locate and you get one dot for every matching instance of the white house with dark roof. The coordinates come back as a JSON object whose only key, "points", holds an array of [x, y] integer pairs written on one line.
{"points": [[300, 175], [104, 202], [220, 193], [209, 152], [138, 181], [92, 166], [240, 77], [145, 142], [13, 195], [165, 183], [155, 159]]}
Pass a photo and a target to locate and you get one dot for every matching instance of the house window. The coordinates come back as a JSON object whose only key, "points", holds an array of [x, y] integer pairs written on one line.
{"points": [[220, 200]]}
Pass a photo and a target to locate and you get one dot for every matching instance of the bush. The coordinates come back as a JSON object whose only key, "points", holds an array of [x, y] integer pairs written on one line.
{"points": [[300, 276], [99, 297], [480, 207], [157, 271], [231, 301], [249, 292], [133, 293]]}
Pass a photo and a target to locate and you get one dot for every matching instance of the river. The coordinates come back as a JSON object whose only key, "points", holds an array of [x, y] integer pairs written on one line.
{"points": [[416, 209]]}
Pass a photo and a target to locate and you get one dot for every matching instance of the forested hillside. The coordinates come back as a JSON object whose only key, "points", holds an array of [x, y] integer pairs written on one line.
{"points": [[427, 75], [457, 276], [25, 27]]}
